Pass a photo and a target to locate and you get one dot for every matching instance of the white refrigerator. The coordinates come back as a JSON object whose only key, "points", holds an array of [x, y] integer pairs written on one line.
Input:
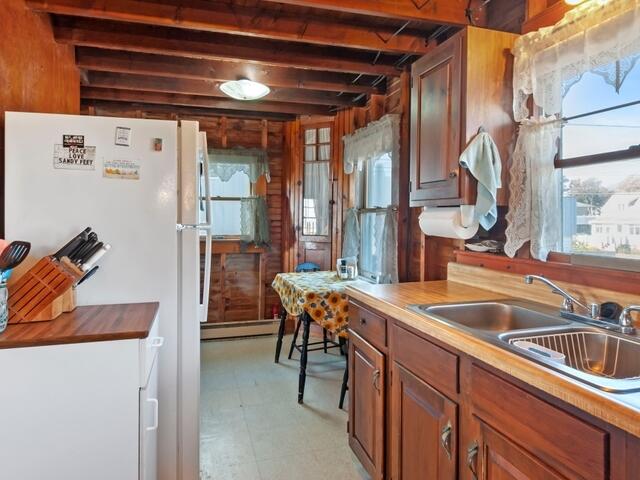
{"points": [[137, 183]]}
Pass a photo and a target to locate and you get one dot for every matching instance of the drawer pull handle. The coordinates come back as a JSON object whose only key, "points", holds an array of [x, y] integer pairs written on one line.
{"points": [[153, 427], [445, 439], [376, 378], [472, 456], [156, 342]]}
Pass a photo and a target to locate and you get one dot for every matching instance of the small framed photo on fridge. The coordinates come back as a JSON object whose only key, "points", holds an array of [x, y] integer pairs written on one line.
{"points": [[123, 136]]}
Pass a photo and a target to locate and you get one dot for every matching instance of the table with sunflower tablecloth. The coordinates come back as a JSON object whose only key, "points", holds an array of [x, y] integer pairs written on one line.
{"points": [[312, 297]]}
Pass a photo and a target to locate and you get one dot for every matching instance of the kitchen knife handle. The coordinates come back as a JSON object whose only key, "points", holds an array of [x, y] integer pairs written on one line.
{"points": [[88, 274], [96, 256], [72, 244], [87, 254]]}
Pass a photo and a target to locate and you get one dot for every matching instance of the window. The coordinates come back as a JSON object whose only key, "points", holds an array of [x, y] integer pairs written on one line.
{"points": [[600, 161], [226, 202], [316, 185], [375, 180]]}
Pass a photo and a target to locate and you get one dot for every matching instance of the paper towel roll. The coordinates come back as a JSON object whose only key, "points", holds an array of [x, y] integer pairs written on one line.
{"points": [[446, 222]]}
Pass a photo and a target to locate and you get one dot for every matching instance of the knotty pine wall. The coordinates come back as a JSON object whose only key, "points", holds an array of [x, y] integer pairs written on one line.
{"points": [[36, 74]]}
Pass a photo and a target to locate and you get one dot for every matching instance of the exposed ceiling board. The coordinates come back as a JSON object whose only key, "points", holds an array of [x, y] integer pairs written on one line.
{"points": [[129, 109], [177, 67], [246, 21], [448, 12], [134, 96], [210, 88], [216, 46]]}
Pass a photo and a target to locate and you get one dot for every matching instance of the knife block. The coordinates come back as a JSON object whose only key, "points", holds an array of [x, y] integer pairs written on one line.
{"points": [[44, 292]]}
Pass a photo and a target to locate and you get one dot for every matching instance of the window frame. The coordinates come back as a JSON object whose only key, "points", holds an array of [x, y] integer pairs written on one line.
{"points": [[363, 210], [224, 198], [631, 153], [330, 163]]}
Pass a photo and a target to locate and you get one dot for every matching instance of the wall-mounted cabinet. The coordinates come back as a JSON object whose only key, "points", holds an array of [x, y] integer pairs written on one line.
{"points": [[462, 85]]}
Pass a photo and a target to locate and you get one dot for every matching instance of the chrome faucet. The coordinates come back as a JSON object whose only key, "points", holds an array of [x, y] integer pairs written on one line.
{"points": [[568, 300], [625, 320]]}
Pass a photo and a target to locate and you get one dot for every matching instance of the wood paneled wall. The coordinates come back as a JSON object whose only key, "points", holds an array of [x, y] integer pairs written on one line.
{"points": [[36, 74], [241, 277]]}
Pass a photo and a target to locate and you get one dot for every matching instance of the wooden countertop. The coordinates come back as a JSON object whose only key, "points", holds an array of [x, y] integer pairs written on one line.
{"points": [[621, 410], [94, 323]]}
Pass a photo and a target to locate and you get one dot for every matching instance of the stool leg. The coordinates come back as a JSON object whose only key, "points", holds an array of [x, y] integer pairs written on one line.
{"points": [[345, 387], [283, 320], [303, 357], [345, 377], [324, 339], [295, 337]]}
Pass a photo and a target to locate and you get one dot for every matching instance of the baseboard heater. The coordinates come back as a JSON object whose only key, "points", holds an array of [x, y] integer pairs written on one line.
{"points": [[238, 329]]}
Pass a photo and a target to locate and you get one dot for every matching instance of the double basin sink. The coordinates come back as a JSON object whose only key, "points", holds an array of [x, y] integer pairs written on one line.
{"points": [[593, 355]]}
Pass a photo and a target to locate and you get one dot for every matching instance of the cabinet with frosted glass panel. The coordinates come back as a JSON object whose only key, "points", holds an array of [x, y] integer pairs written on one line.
{"points": [[314, 228]]}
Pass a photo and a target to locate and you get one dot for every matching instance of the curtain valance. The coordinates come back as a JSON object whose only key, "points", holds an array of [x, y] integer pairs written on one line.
{"points": [[224, 163], [377, 138], [599, 36]]}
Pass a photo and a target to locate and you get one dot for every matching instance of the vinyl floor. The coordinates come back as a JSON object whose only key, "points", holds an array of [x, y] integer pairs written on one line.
{"points": [[252, 427]]}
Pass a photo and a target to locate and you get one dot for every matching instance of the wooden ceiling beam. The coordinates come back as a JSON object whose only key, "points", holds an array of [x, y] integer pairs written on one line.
{"points": [[238, 20], [122, 109], [209, 88], [447, 12], [131, 96], [189, 68], [214, 46]]}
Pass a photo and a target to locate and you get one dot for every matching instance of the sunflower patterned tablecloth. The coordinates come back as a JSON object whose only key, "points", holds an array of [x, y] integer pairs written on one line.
{"points": [[321, 294]]}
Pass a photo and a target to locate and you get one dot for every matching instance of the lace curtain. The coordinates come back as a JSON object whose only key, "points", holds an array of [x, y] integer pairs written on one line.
{"points": [[224, 163], [254, 221], [366, 145], [317, 191], [602, 37], [377, 138], [598, 36]]}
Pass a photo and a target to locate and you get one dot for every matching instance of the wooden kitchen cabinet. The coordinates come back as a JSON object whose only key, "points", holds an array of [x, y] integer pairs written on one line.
{"points": [[424, 429], [462, 85], [367, 405], [445, 415]]}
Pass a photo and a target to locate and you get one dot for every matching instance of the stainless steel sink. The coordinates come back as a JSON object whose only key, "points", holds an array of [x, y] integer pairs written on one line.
{"points": [[498, 316], [605, 360]]}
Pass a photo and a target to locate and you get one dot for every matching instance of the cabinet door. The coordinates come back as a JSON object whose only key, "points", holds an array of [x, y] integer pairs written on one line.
{"points": [[435, 124], [502, 459], [366, 405], [424, 430]]}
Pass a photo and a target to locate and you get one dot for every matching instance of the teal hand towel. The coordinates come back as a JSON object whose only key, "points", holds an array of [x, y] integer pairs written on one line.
{"points": [[482, 159]]}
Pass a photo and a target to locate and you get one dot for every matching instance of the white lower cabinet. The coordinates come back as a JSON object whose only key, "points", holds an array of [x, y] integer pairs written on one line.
{"points": [[80, 411]]}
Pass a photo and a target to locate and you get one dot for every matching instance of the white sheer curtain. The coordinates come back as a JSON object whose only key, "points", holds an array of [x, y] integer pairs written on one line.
{"points": [[378, 255], [598, 36], [254, 221], [317, 192]]}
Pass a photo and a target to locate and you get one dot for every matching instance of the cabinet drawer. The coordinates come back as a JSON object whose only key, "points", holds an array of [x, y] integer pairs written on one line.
{"points": [[565, 443], [429, 362], [370, 326]]}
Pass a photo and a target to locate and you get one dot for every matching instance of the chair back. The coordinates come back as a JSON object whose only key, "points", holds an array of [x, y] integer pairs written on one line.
{"points": [[307, 267]]}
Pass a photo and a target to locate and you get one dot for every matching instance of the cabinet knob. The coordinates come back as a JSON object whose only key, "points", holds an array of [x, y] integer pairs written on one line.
{"points": [[453, 174], [376, 378], [363, 321], [472, 456], [445, 439]]}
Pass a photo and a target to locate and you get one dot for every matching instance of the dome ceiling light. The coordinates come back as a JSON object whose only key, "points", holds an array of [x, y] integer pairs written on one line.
{"points": [[244, 89]]}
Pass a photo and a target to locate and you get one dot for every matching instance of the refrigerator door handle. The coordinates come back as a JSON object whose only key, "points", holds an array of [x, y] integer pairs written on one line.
{"points": [[206, 287]]}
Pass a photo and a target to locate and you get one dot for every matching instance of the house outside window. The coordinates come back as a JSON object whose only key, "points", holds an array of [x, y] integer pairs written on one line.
{"points": [[601, 199]]}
